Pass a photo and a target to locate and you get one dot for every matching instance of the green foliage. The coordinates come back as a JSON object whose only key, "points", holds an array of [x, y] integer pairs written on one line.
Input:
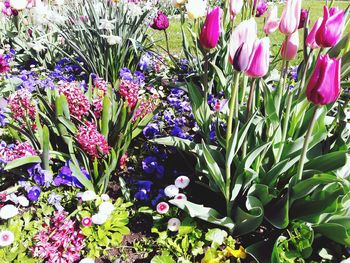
{"points": [[101, 238], [89, 39]]}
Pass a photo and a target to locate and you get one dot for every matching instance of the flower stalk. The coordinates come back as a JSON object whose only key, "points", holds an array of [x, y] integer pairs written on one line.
{"points": [[306, 143]]}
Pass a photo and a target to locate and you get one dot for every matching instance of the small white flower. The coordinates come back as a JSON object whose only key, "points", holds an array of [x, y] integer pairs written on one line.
{"points": [[180, 197], [19, 4], [6, 238], [8, 211], [87, 260], [174, 224], [88, 196], [196, 8], [345, 260], [23, 201], [162, 208], [182, 181], [99, 219], [112, 40], [106, 208], [105, 197], [59, 2], [106, 24], [171, 190]]}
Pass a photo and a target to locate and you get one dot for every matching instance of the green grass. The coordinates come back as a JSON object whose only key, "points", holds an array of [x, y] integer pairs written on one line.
{"points": [[175, 39]]}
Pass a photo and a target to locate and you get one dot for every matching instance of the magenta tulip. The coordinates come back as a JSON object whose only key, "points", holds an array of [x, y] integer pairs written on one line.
{"points": [[259, 59], [290, 46], [331, 28], [235, 7], [310, 39], [160, 22], [211, 29], [324, 85], [272, 21], [303, 16], [241, 44], [290, 17], [261, 7]]}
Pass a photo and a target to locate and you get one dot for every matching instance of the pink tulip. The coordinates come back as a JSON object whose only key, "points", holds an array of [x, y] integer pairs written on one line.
{"points": [[259, 59], [211, 29], [235, 7], [310, 39], [290, 17], [290, 46], [272, 21], [324, 85], [331, 28], [241, 44]]}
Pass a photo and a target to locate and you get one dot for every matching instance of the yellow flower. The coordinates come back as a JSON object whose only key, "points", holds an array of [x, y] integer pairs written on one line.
{"points": [[237, 253]]}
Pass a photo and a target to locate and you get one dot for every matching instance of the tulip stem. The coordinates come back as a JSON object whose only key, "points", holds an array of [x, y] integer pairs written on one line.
{"points": [[206, 72], [167, 42], [303, 80], [228, 138], [285, 125], [306, 143], [284, 69]]}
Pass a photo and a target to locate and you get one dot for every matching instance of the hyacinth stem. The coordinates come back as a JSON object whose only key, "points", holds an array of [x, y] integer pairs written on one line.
{"points": [[228, 137], [306, 143], [285, 125]]}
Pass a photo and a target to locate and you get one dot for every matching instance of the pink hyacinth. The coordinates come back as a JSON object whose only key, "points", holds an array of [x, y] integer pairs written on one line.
{"points": [[78, 103], [99, 90], [22, 106], [61, 241], [123, 161], [93, 142], [12, 152], [146, 106], [129, 91], [4, 65]]}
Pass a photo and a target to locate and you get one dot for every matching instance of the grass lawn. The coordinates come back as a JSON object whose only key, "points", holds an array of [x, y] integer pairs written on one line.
{"points": [[174, 30]]}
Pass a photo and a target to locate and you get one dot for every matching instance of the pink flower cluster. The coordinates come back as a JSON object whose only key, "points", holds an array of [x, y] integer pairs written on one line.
{"points": [[22, 106], [147, 106], [61, 241], [11, 152], [4, 66], [77, 101], [93, 142], [99, 89], [129, 91]]}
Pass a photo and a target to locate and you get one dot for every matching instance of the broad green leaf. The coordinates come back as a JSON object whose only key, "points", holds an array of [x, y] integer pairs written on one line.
{"points": [[22, 161], [205, 213]]}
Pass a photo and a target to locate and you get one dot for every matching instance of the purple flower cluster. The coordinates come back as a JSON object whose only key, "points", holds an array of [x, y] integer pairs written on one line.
{"points": [[151, 165], [136, 77], [66, 177]]}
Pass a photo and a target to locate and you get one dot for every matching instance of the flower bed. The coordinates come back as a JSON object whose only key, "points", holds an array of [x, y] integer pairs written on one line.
{"points": [[114, 149]]}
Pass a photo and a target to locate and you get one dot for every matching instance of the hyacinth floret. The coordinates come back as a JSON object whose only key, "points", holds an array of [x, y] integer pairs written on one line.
{"points": [[93, 142], [60, 241], [78, 103]]}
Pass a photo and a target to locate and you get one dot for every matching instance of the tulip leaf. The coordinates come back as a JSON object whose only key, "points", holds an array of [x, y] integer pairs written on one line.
{"points": [[205, 213]]}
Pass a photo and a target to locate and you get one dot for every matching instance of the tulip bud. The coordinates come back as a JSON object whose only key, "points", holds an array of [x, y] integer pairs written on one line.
{"points": [[272, 21], [261, 7], [235, 7], [211, 29], [259, 59], [331, 28], [290, 17], [196, 8], [324, 85], [303, 16], [241, 44], [290, 46], [160, 22], [310, 39]]}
